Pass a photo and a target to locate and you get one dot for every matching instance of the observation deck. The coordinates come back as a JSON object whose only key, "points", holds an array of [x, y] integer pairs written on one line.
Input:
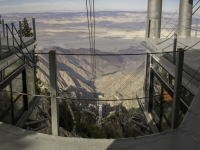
{"points": [[164, 47], [187, 136]]}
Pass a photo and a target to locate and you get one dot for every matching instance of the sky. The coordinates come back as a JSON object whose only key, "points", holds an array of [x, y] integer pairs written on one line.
{"points": [[9, 6]]}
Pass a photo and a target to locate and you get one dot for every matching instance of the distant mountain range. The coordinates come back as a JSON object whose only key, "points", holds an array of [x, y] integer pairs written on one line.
{"points": [[115, 30], [118, 77]]}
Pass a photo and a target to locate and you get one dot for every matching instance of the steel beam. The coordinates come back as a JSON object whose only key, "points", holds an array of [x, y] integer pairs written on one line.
{"points": [[138, 131], [4, 35], [141, 125], [54, 92], [185, 18], [175, 44], [34, 28], [177, 88], [147, 28], [154, 13], [20, 33], [196, 33], [0, 46], [157, 32]]}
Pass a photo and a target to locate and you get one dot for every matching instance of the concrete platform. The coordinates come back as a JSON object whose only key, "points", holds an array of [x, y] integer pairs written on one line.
{"points": [[186, 137], [166, 44], [191, 46]]}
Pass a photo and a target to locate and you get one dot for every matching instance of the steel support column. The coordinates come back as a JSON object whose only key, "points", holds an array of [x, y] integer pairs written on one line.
{"points": [[175, 45], [157, 32], [0, 46], [20, 33], [177, 88], [25, 97], [196, 33], [154, 13], [54, 92], [185, 18], [4, 35], [147, 28]]}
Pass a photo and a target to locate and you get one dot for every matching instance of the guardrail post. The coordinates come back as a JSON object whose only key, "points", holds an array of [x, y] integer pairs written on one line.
{"points": [[157, 31], [12, 24], [3, 28], [53, 85], [147, 28], [175, 44], [7, 37], [197, 21], [0, 46], [34, 28], [20, 33], [177, 88]]}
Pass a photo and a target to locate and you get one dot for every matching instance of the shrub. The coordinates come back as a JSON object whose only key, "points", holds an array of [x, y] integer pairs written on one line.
{"points": [[65, 118]]}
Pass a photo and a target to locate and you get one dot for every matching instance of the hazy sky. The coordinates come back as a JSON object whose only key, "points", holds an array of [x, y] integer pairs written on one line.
{"points": [[7, 6]]}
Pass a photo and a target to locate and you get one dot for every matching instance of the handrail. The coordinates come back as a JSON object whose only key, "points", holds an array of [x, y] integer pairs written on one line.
{"points": [[44, 113], [140, 132], [141, 125], [39, 128], [35, 122], [7, 27], [21, 40], [17, 55], [14, 39], [13, 45]]}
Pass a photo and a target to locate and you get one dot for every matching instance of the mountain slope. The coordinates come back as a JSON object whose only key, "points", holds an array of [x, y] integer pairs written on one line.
{"points": [[75, 72]]}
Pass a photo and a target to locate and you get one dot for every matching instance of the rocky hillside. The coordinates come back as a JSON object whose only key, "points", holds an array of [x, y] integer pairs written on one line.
{"points": [[74, 72], [119, 77], [76, 120]]}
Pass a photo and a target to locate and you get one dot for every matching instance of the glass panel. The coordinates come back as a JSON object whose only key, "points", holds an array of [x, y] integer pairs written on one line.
{"points": [[183, 93], [167, 106], [30, 83], [156, 105], [5, 99], [13, 67], [163, 73], [186, 96], [147, 86], [18, 107], [8, 118], [166, 97], [156, 89], [17, 86], [160, 70], [171, 81], [164, 124], [162, 104], [156, 110], [181, 116], [0, 76]]}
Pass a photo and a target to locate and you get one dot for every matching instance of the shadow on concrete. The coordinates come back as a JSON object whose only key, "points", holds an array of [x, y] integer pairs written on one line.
{"points": [[186, 137], [14, 138]]}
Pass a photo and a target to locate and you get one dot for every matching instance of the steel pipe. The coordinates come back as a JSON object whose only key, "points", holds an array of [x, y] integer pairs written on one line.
{"points": [[154, 13], [185, 18]]}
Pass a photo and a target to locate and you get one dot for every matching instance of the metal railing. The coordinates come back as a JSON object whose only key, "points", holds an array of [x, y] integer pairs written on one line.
{"points": [[15, 41]]}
